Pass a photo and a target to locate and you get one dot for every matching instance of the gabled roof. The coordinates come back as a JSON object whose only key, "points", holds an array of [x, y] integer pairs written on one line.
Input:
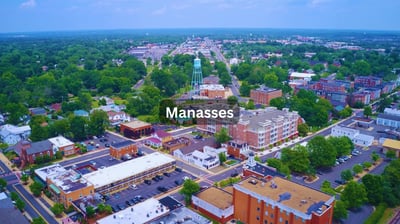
{"points": [[37, 147], [162, 134]]}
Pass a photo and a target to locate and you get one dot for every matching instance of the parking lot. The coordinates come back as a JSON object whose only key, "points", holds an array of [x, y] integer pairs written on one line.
{"points": [[145, 191]]}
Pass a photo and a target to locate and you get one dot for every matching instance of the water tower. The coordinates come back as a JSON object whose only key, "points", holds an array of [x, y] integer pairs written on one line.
{"points": [[197, 78]]}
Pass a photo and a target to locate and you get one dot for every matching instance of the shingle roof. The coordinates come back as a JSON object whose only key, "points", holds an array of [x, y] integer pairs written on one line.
{"points": [[37, 147]]}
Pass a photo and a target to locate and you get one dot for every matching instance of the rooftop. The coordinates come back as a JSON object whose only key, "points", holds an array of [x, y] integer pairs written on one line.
{"points": [[390, 143], [212, 87], [171, 203], [60, 141], [178, 141], [126, 169], [301, 75], [181, 215], [37, 147], [67, 181], [263, 117], [119, 145], [388, 117], [264, 170], [162, 134], [266, 89], [287, 194], [217, 197], [51, 170], [136, 124], [8, 213], [140, 213], [14, 129]]}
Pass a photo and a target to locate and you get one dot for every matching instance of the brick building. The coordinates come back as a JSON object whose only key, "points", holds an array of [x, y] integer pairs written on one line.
{"points": [[119, 149], [135, 129], [28, 151], [259, 128], [278, 200], [215, 203], [212, 91], [264, 95], [175, 144], [367, 81], [63, 145]]}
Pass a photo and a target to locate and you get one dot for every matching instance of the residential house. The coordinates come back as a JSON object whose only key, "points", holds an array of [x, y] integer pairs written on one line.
{"points": [[81, 113], [37, 111], [116, 118], [163, 136], [208, 158], [11, 134]]}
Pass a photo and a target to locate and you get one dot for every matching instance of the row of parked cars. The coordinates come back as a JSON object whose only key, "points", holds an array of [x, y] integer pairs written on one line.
{"points": [[135, 200], [343, 159]]}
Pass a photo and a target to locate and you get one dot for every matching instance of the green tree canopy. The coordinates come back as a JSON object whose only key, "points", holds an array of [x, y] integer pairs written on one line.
{"points": [[373, 186], [354, 195], [296, 158], [222, 136], [57, 209], [189, 188], [340, 210], [321, 152], [346, 175]]}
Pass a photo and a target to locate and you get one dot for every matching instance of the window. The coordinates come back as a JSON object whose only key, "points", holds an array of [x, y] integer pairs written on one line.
{"points": [[266, 213], [265, 221], [258, 217], [280, 219], [286, 222], [272, 215], [258, 209]]}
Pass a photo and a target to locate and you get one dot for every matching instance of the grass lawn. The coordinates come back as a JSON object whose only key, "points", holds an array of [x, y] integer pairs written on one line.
{"points": [[230, 162], [387, 215], [120, 101], [95, 104]]}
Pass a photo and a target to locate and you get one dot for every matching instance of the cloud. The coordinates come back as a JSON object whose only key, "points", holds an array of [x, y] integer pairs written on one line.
{"points": [[160, 11], [28, 4]]}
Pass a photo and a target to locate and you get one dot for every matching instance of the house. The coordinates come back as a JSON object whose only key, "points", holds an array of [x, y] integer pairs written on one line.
{"points": [[8, 212], [119, 149], [154, 142], [56, 107], [37, 111], [62, 144], [135, 129], [390, 144], [215, 203], [116, 118], [81, 113], [238, 149], [354, 135], [162, 136], [11, 134], [184, 152], [28, 151], [264, 95]]}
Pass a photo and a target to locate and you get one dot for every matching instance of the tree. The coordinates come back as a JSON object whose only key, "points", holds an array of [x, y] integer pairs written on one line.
{"points": [[366, 165], [108, 209], [14, 196], [274, 162], [20, 204], [367, 111], [90, 211], [38, 220], [340, 211], [391, 154], [57, 209], [346, 175], [296, 158], [373, 186], [98, 122], [25, 178], [250, 105], [232, 100], [36, 188], [303, 129], [59, 155], [321, 152], [343, 145], [375, 157], [354, 194], [222, 136], [3, 184], [357, 169], [78, 127], [326, 187], [222, 158], [189, 188], [278, 102]]}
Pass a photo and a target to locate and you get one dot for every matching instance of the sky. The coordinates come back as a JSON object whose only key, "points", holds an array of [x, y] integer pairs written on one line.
{"points": [[59, 15]]}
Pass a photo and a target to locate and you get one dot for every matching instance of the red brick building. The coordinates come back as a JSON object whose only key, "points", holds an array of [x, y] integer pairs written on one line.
{"points": [[264, 95], [135, 129], [367, 81], [212, 91], [277, 200], [28, 151], [259, 128], [119, 149]]}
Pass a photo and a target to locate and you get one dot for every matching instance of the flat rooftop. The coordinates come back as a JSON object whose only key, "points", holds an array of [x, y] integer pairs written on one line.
{"points": [[217, 197], [301, 75], [140, 213], [120, 171], [60, 141], [51, 170], [119, 145], [181, 215], [390, 143], [136, 124], [287, 193], [212, 87], [266, 89], [67, 181]]}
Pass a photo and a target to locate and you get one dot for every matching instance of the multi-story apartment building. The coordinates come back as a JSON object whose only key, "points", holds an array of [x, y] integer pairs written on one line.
{"points": [[264, 95], [259, 128], [367, 81], [278, 200]]}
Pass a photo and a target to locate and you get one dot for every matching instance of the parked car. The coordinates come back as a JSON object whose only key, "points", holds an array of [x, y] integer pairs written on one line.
{"points": [[162, 189], [198, 137], [128, 203], [115, 208], [121, 207], [155, 179], [159, 177], [167, 174], [148, 182], [178, 169], [340, 181], [178, 182], [234, 174]]}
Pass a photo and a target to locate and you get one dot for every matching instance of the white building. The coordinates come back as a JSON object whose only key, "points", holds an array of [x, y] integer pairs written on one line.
{"points": [[391, 111], [116, 118], [62, 144], [143, 212], [354, 135], [207, 159], [390, 118], [303, 76], [11, 134]]}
